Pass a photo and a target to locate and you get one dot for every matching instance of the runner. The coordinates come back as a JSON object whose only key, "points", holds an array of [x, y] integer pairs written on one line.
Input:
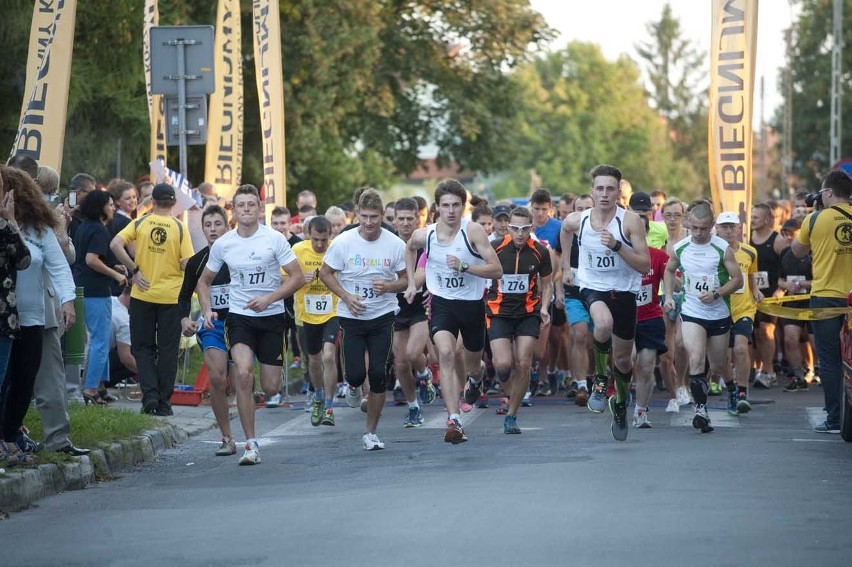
{"points": [[255, 255], [459, 260], [365, 268], [795, 277], [613, 255], [711, 273], [517, 308], [316, 314], [743, 308], [411, 331], [214, 223], [674, 363]]}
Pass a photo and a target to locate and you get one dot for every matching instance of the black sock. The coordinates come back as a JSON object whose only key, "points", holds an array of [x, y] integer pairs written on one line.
{"points": [[698, 386]]}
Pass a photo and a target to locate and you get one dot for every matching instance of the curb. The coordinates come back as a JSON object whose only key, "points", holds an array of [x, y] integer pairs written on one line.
{"points": [[18, 490]]}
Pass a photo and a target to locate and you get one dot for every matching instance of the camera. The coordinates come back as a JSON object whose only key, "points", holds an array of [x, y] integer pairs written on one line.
{"points": [[814, 200]]}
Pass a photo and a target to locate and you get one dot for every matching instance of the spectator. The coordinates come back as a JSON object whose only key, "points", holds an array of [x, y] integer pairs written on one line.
{"points": [[81, 184], [828, 235], [337, 217], [125, 199], [306, 198], [93, 273], [122, 364], [658, 199], [25, 163]]}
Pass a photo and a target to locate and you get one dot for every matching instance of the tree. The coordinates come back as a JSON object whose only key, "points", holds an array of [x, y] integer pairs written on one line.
{"points": [[579, 110], [675, 70]]}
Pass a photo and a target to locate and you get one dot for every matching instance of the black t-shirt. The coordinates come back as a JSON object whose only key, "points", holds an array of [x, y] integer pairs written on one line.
{"points": [[573, 290], [118, 222], [194, 267], [92, 237]]}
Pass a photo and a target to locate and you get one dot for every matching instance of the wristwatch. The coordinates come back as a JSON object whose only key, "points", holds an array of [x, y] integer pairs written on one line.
{"points": [[463, 267], [716, 294]]}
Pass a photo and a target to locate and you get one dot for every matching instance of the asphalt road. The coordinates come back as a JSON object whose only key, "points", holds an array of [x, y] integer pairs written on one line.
{"points": [[760, 490]]}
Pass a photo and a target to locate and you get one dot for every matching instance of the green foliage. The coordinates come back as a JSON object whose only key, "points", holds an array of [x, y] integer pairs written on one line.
{"points": [[580, 110]]}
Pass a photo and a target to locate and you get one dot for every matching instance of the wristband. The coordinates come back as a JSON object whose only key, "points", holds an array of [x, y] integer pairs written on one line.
{"points": [[135, 271], [617, 246], [716, 294]]}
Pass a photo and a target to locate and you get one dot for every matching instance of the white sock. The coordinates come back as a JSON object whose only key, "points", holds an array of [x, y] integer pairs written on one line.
{"points": [[413, 404], [455, 417]]}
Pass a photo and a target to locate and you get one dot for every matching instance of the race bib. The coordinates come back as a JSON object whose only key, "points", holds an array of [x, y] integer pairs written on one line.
{"points": [[450, 280], [515, 283], [762, 279], [318, 304], [219, 297], [644, 295], [697, 284], [252, 277], [608, 261], [364, 290]]}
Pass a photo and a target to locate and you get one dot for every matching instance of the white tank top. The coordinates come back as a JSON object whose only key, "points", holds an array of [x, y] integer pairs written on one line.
{"points": [[600, 268], [703, 267], [447, 283]]}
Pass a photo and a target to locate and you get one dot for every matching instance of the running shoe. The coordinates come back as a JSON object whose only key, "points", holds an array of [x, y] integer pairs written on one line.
{"points": [[472, 391], [762, 380], [673, 407], [309, 400], [413, 419], [328, 417], [297, 362], [425, 388], [464, 406], [824, 427], [274, 401], [572, 391], [640, 420], [251, 455], [682, 396], [582, 397], [503, 408], [733, 399], [227, 447], [363, 404], [353, 396], [482, 401], [702, 419], [305, 387], [455, 433], [543, 389], [796, 385], [597, 401], [316, 412], [810, 377], [372, 442], [527, 401], [399, 397], [742, 403], [341, 390], [619, 419], [715, 389], [510, 425]]}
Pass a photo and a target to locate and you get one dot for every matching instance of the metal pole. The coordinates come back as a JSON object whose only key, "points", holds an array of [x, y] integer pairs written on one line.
{"points": [[836, 86], [181, 78]]}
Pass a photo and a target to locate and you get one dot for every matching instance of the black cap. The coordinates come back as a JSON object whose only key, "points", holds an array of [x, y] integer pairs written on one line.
{"points": [[501, 210], [640, 201], [163, 192]]}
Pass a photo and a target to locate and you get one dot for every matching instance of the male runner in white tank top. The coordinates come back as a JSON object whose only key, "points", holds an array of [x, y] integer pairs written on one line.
{"points": [[613, 257], [460, 261]]}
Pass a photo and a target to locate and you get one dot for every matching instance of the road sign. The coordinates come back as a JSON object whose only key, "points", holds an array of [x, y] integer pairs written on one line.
{"points": [[196, 121], [197, 42]]}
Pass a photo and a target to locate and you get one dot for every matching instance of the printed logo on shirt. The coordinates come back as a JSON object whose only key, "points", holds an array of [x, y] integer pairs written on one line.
{"points": [[159, 235], [843, 234]]}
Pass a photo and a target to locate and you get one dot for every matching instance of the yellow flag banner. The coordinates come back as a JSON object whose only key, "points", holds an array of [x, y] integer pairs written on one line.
{"points": [[270, 94], [733, 46], [156, 103], [224, 162], [774, 306], [41, 130]]}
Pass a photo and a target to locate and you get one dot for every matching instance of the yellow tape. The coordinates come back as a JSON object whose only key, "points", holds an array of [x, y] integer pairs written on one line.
{"points": [[773, 306]]}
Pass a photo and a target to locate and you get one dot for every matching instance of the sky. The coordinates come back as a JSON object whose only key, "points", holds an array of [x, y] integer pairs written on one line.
{"points": [[625, 23]]}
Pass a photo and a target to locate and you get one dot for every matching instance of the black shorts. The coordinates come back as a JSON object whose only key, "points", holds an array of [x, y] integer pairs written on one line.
{"points": [[651, 335], [407, 319], [744, 326], [459, 316], [713, 327], [557, 316], [317, 335], [511, 327], [263, 335], [761, 317], [622, 306]]}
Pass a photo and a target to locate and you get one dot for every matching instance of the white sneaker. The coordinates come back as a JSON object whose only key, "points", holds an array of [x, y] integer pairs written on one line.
{"points": [[682, 396], [640, 420], [353, 397], [673, 407], [309, 401], [274, 401], [364, 404], [372, 442], [341, 390], [762, 380], [251, 456]]}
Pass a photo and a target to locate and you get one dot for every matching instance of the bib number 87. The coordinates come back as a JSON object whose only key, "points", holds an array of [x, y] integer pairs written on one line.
{"points": [[321, 305]]}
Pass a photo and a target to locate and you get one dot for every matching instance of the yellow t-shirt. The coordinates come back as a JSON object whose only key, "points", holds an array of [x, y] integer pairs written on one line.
{"points": [[314, 302], [657, 235], [742, 301], [830, 239], [161, 243]]}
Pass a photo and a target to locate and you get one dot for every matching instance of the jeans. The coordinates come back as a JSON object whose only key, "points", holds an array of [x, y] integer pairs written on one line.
{"points": [[99, 324], [827, 338], [18, 387]]}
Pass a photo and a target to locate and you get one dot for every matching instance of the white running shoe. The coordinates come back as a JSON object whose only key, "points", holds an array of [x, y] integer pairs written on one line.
{"points": [[673, 407], [274, 401], [353, 397], [762, 380], [640, 420], [309, 401], [682, 396], [251, 456], [363, 404], [372, 442]]}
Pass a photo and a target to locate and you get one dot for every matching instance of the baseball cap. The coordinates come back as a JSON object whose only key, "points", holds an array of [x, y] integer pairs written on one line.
{"points": [[501, 210], [640, 201], [728, 218], [163, 192]]}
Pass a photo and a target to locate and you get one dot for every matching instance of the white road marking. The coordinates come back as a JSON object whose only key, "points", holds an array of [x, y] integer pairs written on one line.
{"points": [[816, 416], [718, 418]]}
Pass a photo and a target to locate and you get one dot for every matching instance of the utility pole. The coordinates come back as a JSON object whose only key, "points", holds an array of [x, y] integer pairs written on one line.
{"points": [[787, 140], [836, 87], [761, 185]]}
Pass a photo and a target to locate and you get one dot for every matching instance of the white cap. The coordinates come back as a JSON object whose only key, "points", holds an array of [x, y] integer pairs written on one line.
{"points": [[728, 218]]}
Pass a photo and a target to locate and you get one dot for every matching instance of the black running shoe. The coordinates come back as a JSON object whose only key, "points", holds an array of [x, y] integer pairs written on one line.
{"points": [[619, 419], [472, 392]]}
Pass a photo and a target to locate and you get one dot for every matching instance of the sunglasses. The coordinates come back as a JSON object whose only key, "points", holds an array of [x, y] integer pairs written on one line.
{"points": [[520, 227]]}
